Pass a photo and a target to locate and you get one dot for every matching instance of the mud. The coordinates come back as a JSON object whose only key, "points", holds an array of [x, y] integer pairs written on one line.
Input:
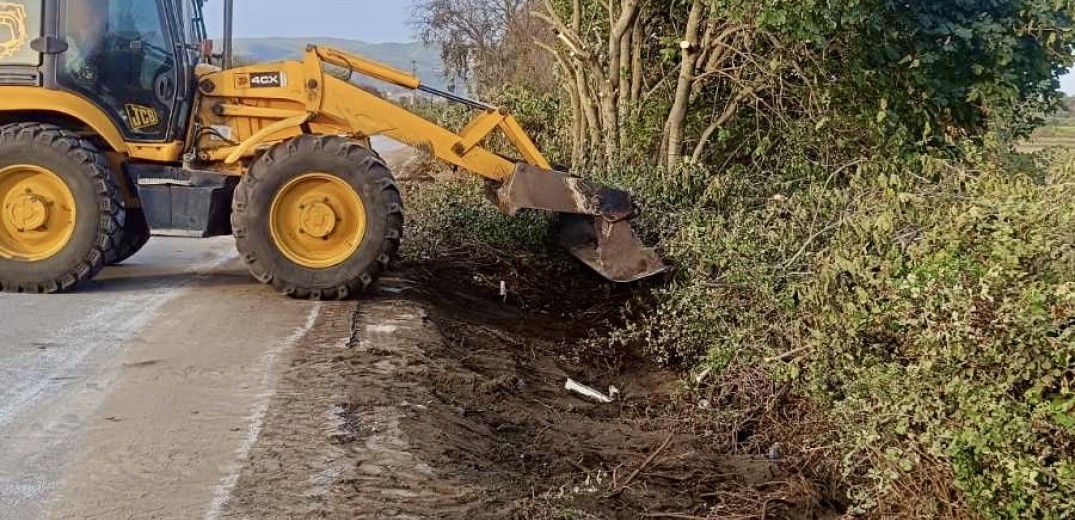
{"points": [[448, 403]]}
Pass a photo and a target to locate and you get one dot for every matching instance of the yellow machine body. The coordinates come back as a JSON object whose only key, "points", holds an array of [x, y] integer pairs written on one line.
{"points": [[20, 102], [239, 113], [299, 97], [257, 116]]}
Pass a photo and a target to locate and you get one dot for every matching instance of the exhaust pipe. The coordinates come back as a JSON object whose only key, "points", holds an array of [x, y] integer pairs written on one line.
{"points": [[229, 33]]}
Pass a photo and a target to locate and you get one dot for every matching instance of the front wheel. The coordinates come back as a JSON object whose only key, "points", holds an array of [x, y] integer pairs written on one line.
{"points": [[319, 217]]}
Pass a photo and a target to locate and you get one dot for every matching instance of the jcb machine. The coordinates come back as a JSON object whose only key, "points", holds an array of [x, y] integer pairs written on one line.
{"points": [[116, 119]]}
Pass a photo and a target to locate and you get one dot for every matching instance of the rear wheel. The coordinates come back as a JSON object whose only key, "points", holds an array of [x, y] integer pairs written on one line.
{"points": [[318, 217], [60, 210]]}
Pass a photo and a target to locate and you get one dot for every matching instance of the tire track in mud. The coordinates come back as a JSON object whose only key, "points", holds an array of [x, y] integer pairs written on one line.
{"points": [[446, 404], [325, 453]]}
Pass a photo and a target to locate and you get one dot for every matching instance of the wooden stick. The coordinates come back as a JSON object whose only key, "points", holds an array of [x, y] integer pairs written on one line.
{"points": [[787, 354], [644, 465]]}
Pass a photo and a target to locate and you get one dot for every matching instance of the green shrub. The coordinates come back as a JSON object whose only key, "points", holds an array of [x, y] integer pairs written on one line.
{"points": [[928, 305], [454, 217], [942, 324]]}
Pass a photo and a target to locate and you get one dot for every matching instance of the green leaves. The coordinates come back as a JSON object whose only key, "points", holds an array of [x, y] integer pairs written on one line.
{"points": [[979, 362], [929, 306], [971, 60]]}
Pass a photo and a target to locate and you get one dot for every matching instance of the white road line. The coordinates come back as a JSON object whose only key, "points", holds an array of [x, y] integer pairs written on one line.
{"points": [[257, 418]]}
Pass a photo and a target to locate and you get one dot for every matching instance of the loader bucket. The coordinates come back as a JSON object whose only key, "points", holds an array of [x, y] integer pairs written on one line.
{"points": [[594, 221]]}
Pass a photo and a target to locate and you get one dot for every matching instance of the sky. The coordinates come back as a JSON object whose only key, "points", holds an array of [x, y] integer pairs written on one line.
{"points": [[373, 21]]}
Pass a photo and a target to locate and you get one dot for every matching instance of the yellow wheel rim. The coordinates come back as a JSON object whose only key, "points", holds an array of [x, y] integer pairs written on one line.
{"points": [[317, 220], [37, 213]]}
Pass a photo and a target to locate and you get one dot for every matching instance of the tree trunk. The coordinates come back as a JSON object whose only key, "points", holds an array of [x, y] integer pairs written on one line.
{"points": [[637, 70], [623, 97], [678, 116]]}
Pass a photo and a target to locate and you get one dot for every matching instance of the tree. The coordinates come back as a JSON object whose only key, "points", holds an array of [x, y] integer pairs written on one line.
{"points": [[682, 79], [691, 57], [484, 43], [956, 65]]}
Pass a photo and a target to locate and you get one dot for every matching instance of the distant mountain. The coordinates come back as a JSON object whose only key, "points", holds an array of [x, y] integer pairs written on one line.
{"points": [[404, 56]]}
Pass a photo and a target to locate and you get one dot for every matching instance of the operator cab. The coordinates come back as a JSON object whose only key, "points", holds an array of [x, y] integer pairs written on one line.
{"points": [[133, 59]]}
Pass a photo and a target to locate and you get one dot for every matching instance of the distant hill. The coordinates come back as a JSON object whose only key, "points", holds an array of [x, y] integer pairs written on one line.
{"points": [[404, 56]]}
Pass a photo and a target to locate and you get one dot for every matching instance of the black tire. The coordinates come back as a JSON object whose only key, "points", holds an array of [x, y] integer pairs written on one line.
{"points": [[135, 236], [99, 207], [347, 160]]}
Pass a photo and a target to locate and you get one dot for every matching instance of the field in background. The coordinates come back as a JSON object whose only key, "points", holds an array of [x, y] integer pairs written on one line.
{"points": [[1059, 131], [1060, 135]]}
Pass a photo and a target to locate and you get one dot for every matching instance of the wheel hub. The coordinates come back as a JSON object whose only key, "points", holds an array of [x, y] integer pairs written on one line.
{"points": [[37, 213], [29, 212], [318, 219]]}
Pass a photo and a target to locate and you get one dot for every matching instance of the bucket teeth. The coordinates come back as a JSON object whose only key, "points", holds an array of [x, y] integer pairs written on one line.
{"points": [[610, 248], [594, 221]]}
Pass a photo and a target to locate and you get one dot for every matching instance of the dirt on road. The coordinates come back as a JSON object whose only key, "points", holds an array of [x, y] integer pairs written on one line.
{"points": [[447, 403]]}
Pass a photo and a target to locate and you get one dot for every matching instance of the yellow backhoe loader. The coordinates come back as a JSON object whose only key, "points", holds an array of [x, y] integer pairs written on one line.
{"points": [[116, 119]]}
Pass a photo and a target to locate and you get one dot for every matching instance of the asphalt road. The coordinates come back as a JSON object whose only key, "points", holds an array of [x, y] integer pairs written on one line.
{"points": [[138, 396]]}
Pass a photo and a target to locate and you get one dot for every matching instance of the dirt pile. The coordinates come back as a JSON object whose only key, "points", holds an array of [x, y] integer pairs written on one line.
{"points": [[447, 403]]}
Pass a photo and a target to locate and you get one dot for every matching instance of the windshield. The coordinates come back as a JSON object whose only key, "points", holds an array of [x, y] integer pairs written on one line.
{"points": [[198, 20], [193, 19]]}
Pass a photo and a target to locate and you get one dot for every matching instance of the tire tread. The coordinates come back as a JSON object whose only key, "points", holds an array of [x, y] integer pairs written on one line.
{"points": [[364, 159], [111, 206]]}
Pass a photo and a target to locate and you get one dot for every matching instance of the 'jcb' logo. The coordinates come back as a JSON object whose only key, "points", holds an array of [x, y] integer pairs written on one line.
{"points": [[141, 117]]}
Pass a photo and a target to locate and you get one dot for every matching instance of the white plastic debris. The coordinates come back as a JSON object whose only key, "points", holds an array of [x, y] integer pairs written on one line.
{"points": [[382, 329], [586, 391], [775, 453], [701, 377]]}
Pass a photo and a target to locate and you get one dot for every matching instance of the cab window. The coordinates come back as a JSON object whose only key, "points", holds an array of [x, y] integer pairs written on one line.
{"points": [[119, 57]]}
